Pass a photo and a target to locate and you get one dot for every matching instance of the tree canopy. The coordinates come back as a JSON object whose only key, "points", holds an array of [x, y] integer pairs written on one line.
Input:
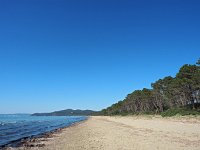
{"points": [[183, 90]]}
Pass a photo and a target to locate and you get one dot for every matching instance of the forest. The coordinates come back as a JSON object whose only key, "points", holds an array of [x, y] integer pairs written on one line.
{"points": [[168, 96]]}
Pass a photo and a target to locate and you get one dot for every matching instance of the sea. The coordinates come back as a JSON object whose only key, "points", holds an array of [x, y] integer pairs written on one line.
{"points": [[14, 127]]}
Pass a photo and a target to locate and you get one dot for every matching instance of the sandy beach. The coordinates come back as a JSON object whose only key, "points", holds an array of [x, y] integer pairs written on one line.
{"points": [[125, 133]]}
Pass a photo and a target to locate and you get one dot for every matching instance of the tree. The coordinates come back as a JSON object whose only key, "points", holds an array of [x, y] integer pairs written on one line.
{"points": [[169, 92], [198, 62], [163, 98], [189, 82]]}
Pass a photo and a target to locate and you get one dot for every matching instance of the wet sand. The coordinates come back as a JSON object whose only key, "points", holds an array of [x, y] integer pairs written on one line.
{"points": [[125, 133]]}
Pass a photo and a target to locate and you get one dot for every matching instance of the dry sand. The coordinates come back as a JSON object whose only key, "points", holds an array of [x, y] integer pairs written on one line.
{"points": [[127, 133]]}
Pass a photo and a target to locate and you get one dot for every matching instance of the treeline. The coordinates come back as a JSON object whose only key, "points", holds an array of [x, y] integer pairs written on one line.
{"points": [[181, 91]]}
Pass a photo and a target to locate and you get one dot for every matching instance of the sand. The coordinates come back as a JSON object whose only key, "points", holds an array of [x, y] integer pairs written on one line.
{"points": [[126, 133]]}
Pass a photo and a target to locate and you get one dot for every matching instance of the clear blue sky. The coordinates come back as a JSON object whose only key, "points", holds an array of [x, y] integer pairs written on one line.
{"points": [[88, 54]]}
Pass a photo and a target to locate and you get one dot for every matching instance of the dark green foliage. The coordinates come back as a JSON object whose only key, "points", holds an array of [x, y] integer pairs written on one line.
{"points": [[179, 111], [168, 96], [198, 62]]}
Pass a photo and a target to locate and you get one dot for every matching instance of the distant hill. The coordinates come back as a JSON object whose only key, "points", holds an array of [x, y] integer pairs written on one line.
{"points": [[68, 112]]}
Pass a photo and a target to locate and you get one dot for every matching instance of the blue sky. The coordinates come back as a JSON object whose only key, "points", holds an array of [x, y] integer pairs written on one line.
{"points": [[58, 54]]}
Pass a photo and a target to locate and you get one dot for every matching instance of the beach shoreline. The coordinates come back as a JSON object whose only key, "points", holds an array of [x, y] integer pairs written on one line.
{"points": [[35, 141], [129, 132]]}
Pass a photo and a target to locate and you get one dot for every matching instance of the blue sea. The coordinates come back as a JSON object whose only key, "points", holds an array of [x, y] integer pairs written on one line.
{"points": [[16, 127]]}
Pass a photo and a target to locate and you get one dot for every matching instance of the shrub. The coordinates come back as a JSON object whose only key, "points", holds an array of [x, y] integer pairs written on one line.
{"points": [[179, 111]]}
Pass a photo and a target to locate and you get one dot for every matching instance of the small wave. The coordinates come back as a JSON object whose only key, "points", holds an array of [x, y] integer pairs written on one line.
{"points": [[8, 123], [2, 124]]}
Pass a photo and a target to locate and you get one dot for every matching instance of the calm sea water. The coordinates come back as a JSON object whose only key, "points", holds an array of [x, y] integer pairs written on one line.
{"points": [[16, 127]]}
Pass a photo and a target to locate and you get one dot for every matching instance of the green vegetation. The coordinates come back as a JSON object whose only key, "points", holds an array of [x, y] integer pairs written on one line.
{"points": [[179, 111], [169, 96]]}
